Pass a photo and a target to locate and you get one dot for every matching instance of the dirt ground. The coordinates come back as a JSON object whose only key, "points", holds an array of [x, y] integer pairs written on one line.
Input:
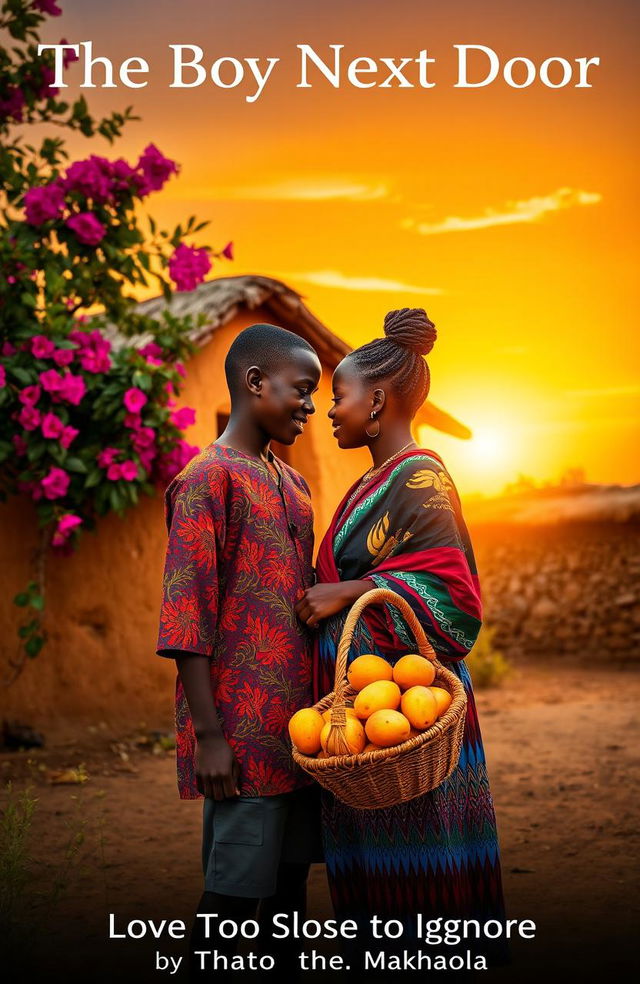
{"points": [[562, 752]]}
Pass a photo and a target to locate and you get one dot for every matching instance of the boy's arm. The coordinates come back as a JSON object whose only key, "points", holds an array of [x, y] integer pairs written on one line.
{"points": [[216, 767]]}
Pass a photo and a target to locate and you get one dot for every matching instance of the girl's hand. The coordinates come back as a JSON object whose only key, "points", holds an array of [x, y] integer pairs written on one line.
{"points": [[322, 600]]}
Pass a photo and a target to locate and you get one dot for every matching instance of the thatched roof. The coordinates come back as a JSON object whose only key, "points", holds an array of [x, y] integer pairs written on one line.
{"points": [[221, 300]]}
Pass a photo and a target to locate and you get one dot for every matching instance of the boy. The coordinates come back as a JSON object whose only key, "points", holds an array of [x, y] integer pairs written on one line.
{"points": [[239, 558]]}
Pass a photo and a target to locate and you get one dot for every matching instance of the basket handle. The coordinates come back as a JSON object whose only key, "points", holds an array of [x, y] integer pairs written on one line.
{"points": [[375, 597]]}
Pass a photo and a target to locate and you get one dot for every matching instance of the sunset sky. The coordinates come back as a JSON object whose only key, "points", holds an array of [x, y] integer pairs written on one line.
{"points": [[510, 215]]}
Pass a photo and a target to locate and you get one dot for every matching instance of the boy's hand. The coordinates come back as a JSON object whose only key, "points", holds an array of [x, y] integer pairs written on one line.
{"points": [[217, 770]]}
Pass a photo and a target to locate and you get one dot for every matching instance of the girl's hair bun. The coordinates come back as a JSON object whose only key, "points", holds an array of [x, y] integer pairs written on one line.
{"points": [[411, 328]]}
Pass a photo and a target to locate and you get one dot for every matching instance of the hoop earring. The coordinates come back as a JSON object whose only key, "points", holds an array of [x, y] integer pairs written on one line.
{"points": [[377, 424]]}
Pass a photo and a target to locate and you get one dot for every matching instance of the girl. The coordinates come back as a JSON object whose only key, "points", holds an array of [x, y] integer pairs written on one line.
{"points": [[401, 527]]}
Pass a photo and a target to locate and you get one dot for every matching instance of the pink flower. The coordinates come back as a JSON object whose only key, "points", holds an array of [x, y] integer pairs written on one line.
{"points": [[143, 438], [55, 484], [183, 418], [72, 389], [3, 377], [114, 472], [132, 420], [69, 434], [147, 457], [32, 489], [172, 463], [42, 347], [68, 56], [134, 400], [151, 351], [51, 381], [12, 106], [29, 417], [91, 178], [66, 525], [107, 456], [94, 352], [180, 369], [63, 357], [47, 7], [52, 426], [19, 444], [87, 228], [188, 266], [46, 89], [227, 252], [156, 169], [8, 349], [43, 203], [29, 395], [129, 470]]}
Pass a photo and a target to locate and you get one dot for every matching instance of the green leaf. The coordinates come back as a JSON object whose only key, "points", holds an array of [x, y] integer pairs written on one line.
{"points": [[33, 646], [21, 599], [76, 465], [21, 375], [37, 602]]}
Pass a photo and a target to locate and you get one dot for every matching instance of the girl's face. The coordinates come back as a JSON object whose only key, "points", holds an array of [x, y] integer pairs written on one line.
{"points": [[352, 405]]}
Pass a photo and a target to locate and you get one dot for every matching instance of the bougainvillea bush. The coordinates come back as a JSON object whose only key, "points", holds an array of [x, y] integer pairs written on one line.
{"points": [[88, 420]]}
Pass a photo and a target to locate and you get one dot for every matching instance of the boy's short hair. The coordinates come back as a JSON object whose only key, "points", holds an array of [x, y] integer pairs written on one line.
{"points": [[265, 346]]}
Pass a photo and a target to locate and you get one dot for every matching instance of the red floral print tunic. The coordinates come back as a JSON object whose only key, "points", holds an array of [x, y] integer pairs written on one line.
{"points": [[239, 557]]}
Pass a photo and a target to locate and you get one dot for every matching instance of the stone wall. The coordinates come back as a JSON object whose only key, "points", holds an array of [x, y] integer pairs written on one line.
{"points": [[569, 589]]}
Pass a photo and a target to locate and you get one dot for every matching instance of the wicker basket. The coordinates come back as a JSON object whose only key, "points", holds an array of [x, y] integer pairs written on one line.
{"points": [[381, 778]]}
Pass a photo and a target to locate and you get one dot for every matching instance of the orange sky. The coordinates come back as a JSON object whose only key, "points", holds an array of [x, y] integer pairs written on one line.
{"points": [[349, 195]]}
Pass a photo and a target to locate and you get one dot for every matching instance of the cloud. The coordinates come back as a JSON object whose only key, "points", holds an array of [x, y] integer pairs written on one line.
{"points": [[310, 190], [341, 281], [527, 210]]}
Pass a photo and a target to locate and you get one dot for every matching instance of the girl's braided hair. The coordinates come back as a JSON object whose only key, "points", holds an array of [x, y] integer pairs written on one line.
{"points": [[397, 358]]}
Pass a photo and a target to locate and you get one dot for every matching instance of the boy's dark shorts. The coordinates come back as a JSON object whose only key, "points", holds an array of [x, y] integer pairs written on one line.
{"points": [[244, 840]]}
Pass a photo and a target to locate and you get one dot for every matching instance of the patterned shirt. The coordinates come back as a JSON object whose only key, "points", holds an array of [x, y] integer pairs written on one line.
{"points": [[238, 559]]}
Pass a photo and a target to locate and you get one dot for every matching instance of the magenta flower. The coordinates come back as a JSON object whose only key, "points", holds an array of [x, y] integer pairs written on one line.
{"points": [[46, 89], [72, 389], [91, 178], [107, 456], [63, 357], [156, 169], [55, 484], [188, 266], [29, 395], [134, 400], [43, 203], [69, 434], [143, 438], [172, 463], [114, 472], [122, 175], [52, 426], [66, 525], [133, 421], [147, 457], [12, 106], [8, 349], [19, 444], [29, 417], [42, 347], [3, 377], [47, 7], [129, 470], [180, 369], [87, 228], [51, 381], [183, 418], [94, 353], [68, 56], [151, 351], [227, 252]]}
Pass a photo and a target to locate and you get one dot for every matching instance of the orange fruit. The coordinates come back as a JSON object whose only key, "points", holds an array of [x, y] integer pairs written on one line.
{"points": [[376, 697], [420, 707], [387, 728], [443, 699], [354, 737], [370, 747], [414, 671], [322, 754], [326, 715], [304, 728], [367, 669]]}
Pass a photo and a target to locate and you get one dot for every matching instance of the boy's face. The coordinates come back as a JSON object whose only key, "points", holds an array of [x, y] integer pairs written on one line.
{"points": [[286, 396]]}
